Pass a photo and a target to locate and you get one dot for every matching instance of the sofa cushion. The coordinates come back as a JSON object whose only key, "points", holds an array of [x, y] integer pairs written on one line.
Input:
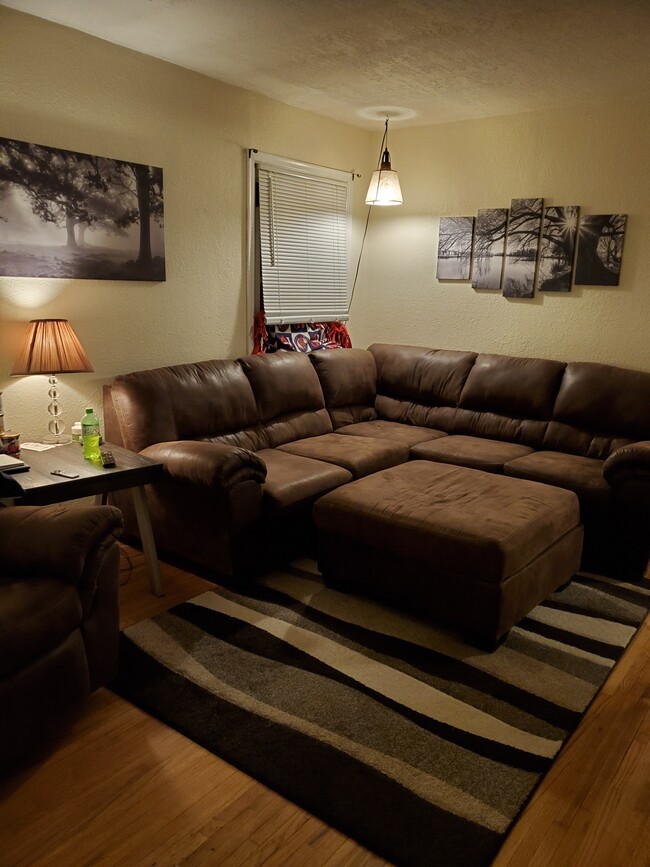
{"points": [[349, 382], [360, 455], [420, 386], [185, 401], [599, 408], [36, 615], [406, 434], [288, 395], [292, 479], [582, 475], [480, 454], [511, 386]]}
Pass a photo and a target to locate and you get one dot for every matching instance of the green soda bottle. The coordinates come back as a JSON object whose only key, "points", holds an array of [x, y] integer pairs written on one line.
{"points": [[90, 435]]}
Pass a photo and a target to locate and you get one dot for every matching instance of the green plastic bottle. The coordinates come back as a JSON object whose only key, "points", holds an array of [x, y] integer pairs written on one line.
{"points": [[90, 435]]}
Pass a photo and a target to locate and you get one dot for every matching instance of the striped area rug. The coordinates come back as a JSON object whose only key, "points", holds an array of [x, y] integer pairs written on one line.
{"points": [[393, 730]]}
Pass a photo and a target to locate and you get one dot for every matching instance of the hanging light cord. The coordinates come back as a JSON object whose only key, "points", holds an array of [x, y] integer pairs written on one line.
{"points": [[384, 141]]}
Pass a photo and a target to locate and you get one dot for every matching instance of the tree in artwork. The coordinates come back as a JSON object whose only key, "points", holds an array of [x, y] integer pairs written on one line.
{"points": [[44, 191]]}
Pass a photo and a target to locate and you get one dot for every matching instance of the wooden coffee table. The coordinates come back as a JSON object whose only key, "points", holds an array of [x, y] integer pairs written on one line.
{"points": [[131, 471]]}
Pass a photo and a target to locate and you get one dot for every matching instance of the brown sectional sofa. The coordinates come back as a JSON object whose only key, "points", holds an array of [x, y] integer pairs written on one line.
{"points": [[250, 445]]}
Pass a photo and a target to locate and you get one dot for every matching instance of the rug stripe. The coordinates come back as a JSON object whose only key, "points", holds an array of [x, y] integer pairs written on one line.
{"points": [[268, 669], [637, 594], [157, 643], [403, 689], [531, 676], [354, 797], [596, 629], [260, 648], [481, 689]]}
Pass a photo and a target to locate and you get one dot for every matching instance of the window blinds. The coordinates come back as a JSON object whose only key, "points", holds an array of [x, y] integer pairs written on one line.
{"points": [[304, 225]]}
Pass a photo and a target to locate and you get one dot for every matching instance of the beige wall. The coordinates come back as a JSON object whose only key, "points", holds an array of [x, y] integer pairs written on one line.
{"points": [[595, 158], [61, 88]]}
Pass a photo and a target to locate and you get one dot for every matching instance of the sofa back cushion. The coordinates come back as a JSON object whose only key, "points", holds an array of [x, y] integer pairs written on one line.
{"points": [[288, 395], [509, 398], [206, 400], [348, 378], [599, 408], [420, 386]]}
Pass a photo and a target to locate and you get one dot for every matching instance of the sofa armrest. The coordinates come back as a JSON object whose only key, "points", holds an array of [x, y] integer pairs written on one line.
{"points": [[629, 463], [207, 464], [53, 541]]}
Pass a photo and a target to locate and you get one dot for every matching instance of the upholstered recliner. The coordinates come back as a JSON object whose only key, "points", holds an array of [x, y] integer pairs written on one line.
{"points": [[59, 616]]}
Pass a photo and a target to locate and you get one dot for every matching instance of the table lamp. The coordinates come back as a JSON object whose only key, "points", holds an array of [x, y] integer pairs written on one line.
{"points": [[50, 346]]}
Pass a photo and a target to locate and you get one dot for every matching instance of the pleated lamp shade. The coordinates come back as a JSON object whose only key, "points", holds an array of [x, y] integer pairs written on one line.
{"points": [[51, 346]]}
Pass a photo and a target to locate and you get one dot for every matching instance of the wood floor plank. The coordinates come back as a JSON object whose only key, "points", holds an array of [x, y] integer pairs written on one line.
{"points": [[120, 787]]}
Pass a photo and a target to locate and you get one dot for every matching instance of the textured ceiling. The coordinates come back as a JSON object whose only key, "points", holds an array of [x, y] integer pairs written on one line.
{"points": [[440, 60]]}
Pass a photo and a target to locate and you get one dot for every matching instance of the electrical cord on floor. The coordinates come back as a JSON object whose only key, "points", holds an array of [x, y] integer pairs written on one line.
{"points": [[127, 567]]}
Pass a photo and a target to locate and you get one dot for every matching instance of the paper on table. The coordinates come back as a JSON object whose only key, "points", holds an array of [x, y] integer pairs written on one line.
{"points": [[37, 447]]}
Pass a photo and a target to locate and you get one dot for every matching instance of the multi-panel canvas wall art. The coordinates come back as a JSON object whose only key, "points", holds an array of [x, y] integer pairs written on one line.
{"points": [[455, 248], [557, 249], [600, 249], [75, 215], [521, 248], [489, 248]]}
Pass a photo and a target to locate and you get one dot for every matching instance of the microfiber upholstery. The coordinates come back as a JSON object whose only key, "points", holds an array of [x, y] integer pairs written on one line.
{"points": [[360, 455], [406, 434], [363, 411], [292, 480], [187, 401], [349, 383], [475, 550], [475, 452], [420, 386], [289, 396]]}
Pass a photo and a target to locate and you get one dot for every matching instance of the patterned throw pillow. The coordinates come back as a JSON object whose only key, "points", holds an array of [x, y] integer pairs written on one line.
{"points": [[303, 337]]}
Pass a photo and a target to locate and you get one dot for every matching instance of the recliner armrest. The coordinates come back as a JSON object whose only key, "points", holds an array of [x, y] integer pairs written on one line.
{"points": [[629, 463], [53, 541], [207, 464]]}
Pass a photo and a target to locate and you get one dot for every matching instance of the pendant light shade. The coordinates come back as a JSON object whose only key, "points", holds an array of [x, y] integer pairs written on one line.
{"points": [[384, 188]]}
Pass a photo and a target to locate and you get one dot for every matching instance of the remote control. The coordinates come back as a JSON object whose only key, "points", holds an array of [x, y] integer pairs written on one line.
{"points": [[107, 458]]}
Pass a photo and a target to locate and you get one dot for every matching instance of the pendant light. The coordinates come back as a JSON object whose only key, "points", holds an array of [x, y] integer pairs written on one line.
{"points": [[384, 188]]}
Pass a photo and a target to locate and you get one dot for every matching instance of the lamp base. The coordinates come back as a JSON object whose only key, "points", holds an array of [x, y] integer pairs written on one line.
{"points": [[57, 439]]}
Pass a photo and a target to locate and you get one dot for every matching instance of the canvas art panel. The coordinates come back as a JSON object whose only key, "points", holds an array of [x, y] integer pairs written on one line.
{"points": [[75, 215], [489, 248], [557, 250], [600, 249], [521, 248], [455, 248]]}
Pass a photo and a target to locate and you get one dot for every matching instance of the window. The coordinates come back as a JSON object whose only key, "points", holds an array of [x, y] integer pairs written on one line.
{"points": [[299, 240]]}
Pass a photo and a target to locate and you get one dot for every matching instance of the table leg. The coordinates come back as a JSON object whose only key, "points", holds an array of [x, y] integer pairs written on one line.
{"points": [[148, 543]]}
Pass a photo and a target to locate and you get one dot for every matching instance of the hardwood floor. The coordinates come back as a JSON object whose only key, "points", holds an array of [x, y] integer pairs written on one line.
{"points": [[121, 788]]}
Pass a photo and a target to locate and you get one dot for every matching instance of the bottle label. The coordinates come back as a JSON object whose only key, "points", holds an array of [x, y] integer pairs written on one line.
{"points": [[90, 430]]}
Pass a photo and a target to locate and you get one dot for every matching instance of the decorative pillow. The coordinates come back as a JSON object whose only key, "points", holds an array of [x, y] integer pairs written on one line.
{"points": [[303, 337]]}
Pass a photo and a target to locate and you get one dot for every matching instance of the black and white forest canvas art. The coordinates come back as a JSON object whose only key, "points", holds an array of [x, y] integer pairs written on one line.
{"points": [[489, 248], [600, 249], [521, 248], [75, 215], [455, 248], [558, 247]]}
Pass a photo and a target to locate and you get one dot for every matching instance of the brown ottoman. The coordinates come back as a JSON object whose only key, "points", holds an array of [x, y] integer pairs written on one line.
{"points": [[470, 549]]}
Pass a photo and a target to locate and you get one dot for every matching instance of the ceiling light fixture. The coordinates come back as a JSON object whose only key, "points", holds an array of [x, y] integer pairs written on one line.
{"points": [[384, 188]]}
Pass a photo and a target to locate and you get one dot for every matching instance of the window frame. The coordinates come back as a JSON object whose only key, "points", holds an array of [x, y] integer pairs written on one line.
{"points": [[290, 166]]}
